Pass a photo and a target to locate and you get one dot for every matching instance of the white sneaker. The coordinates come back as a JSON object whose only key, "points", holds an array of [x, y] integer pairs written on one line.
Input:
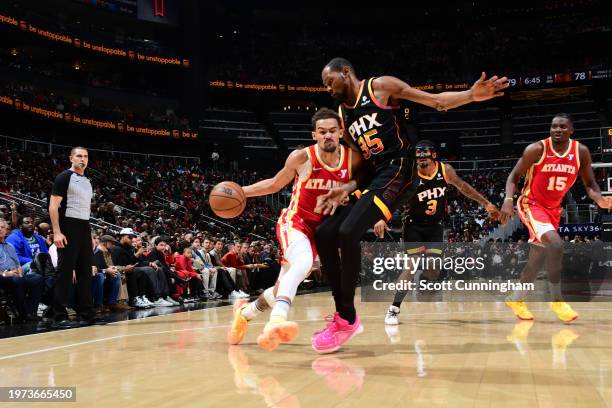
{"points": [[162, 303], [139, 303], [234, 295], [216, 295], [243, 294], [146, 302], [170, 300], [391, 317]]}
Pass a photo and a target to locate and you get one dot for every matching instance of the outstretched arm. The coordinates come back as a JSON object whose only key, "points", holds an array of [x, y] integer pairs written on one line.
{"points": [[470, 192], [588, 178], [281, 179], [531, 155], [388, 87]]}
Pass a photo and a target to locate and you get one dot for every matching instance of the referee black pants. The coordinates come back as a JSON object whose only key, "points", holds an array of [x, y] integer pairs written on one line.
{"points": [[77, 256]]}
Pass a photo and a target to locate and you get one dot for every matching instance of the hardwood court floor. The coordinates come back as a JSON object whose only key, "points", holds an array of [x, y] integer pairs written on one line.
{"points": [[443, 354]]}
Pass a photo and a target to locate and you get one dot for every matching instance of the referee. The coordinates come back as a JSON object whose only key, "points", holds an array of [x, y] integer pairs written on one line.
{"points": [[69, 209]]}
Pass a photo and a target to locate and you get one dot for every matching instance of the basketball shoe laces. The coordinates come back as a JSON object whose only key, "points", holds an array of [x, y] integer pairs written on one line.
{"points": [[331, 321]]}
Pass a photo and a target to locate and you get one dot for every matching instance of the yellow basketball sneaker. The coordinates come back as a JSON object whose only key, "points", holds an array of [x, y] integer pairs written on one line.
{"points": [[277, 331], [564, 311], [240, 324], [520, 309]]}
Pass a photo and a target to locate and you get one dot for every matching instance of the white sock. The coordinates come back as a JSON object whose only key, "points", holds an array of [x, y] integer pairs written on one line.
{"points": [[251, 310], [299, 257], [281, 309], [517, 296], [555, 291]]}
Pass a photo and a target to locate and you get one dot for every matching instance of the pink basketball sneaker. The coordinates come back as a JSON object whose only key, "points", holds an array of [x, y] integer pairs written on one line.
{"points": [[337, 332]]}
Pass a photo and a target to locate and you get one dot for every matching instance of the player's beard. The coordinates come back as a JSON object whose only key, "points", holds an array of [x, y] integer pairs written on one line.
{"points": [[340, 97], [329, 147]]}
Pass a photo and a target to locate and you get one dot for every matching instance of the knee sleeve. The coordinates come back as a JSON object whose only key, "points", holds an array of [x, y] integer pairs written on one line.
{"points": [[299, 256]]}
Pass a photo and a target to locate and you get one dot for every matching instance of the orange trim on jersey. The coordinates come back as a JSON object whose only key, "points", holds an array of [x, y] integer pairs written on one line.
{"points": [[350, 161], [569, 148], [325, 166], [444, 172], [358, 94], [383, 207], [429, 177], [376, 101], [543, 154], [340, 114], [357, 194], [578, 153], [526, 215], [528, 179]]}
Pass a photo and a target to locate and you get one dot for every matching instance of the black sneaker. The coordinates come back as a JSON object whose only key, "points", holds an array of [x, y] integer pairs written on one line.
{"points": [[64, 324], [96, 321]]}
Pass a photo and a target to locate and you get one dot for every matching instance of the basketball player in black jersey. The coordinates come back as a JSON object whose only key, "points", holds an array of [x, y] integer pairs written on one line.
{"points": [[369, 111], [423, 219]]}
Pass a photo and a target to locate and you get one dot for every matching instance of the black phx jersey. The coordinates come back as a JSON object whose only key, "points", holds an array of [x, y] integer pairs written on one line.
{"points": [[376, 129], [428, 204]]}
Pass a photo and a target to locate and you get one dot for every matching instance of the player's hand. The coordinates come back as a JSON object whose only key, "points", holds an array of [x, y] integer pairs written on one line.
{"points": [[507, 211], [327, 203], [380, 228], [493, 211], [605, 202], [60, 240], [485, 89]]}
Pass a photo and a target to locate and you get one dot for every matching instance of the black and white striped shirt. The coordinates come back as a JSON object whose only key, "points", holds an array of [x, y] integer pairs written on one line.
{"points": [[76, 193]]}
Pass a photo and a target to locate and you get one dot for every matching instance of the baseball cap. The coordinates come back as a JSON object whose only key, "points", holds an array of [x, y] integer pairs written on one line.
{"points": [[127, 231]]}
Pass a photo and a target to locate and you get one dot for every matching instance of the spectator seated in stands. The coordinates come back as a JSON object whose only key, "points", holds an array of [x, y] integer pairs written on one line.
{"points": [[225, 284], [26, 243], [184, 269], [140, 277], [111, 276], [236, 267], [26, 290], [165, 279], [203, 265]]}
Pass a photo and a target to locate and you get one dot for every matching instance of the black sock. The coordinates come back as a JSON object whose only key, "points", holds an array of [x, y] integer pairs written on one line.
{"points": [[349, 314], [399, 297]]}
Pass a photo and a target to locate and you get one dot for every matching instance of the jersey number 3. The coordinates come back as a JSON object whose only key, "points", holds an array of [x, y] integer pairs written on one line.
{"points": [[557, 183], [370, 146], [432, 206]]}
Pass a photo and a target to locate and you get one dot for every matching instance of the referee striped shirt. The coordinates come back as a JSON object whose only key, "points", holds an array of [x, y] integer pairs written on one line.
{"points": [[76, 193]]}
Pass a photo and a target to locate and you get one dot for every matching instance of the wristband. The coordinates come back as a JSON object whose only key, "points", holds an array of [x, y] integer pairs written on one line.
{"points": [[509, 198]]}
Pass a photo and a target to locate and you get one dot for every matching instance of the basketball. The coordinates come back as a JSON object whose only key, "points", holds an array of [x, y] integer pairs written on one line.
{"points": [[227, 199]]}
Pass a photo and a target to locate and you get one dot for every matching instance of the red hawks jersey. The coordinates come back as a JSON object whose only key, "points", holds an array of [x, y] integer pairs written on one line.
{"points": [[314, 178], [549, 179]]}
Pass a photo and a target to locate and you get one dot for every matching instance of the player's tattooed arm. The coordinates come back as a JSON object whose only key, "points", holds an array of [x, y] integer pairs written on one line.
{"points": [[532, 154], [388, 88], [281, 179], [588, 179], [470, 192]]}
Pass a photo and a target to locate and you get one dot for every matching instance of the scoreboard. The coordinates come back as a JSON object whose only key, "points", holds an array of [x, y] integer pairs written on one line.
{"points": [[606, 140]]}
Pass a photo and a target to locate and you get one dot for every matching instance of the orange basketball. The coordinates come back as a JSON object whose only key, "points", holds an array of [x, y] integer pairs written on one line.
{"points": [[227, 199]]}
